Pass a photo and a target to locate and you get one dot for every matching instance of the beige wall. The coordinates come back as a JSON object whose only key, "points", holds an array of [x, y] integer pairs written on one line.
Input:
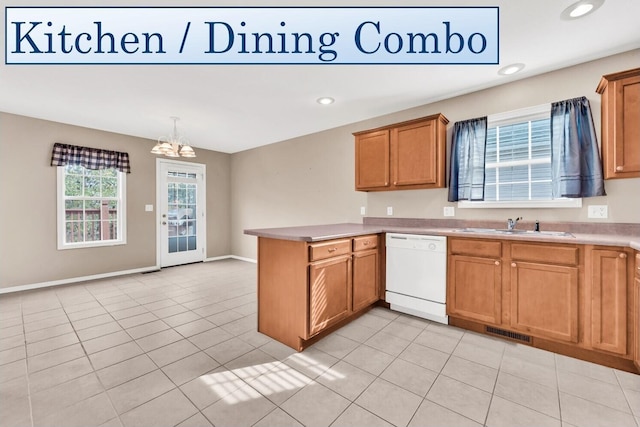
{"points": [[310, 180], [28, 241], [306, 180]]}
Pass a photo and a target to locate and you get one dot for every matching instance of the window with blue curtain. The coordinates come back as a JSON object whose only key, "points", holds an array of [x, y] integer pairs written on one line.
{"points": [[534, 157], [575, 158], [466, 177]]}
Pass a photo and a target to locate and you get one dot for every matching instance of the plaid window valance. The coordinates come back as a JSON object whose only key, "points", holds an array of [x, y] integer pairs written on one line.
{"points": [[90, 158]]}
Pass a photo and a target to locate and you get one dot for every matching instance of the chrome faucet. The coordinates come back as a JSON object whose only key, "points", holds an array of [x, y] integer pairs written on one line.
{"points": [[511, 223]]}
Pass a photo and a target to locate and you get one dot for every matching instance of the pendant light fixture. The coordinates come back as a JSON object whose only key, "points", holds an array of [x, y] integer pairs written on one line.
{"points": [[173, 145]]}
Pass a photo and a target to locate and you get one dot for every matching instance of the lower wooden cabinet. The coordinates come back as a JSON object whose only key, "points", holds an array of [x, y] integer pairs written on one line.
{"points": [[544, 300], [580, 300], [366, 270], [475, 288], [306, 288], [636, 311], [608, 288], [329, 292]]}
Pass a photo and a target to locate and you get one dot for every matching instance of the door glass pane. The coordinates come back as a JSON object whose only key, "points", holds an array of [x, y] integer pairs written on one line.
{"points": [[181, 218]]}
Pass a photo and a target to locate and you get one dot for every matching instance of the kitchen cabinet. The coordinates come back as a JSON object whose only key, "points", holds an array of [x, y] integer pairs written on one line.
{"points": [[574, 299], [372, 160], [526, 287], [620, 96], [329, 292], [475, 280], [544, 290], [608, 283], [306, 290], [636, 312], [403, 156], [366, 272]]}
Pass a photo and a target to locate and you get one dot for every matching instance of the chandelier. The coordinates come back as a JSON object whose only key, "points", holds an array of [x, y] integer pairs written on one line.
{"points": [[173, 145]]}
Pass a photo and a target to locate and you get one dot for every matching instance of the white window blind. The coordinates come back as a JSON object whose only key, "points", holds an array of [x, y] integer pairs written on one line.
{"points": [[518, 161]]}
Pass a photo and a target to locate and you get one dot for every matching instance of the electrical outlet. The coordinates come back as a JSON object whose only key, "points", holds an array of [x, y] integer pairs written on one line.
{"points": [[449, 211], [363, 210], [389, 210], [598, 211]]}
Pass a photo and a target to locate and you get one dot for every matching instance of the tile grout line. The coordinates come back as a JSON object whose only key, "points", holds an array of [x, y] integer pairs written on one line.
{"points": [[26, 366]]}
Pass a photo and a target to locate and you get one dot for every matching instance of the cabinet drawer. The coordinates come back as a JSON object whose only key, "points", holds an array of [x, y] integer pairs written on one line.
{"points": [[479, 248], [552, 254], [331, 248], [365, 242]]}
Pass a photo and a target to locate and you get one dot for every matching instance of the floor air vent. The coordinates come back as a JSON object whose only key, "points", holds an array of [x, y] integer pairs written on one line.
{"points": [[508, 334]]}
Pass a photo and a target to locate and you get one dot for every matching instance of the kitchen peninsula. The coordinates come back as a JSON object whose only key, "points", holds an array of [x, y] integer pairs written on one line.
{"points": [[314, 279]]}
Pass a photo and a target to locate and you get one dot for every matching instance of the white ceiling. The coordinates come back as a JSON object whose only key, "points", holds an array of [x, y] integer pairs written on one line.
{"points": [[234, 108]]}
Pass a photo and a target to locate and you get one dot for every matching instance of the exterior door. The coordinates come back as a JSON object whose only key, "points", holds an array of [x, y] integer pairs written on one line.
{"points": [[181, 212]]}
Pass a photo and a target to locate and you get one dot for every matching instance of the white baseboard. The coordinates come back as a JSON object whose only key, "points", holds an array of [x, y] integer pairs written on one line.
{"points": [[239, 258], [71, 280], [75, 280]]}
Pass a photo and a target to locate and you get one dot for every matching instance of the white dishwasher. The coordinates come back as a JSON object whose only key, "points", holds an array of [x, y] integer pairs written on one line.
{"points": [[417, 275]]}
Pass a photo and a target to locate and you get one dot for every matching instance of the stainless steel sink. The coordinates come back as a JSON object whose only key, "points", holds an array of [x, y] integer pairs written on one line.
{"points": [[514, 231]]}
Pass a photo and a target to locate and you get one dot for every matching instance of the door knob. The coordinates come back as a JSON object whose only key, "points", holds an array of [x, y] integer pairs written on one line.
{"points": [[164, 222]]}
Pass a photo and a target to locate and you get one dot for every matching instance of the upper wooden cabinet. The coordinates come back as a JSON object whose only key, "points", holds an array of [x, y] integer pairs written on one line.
{"points": [[407, 155], [620, 124]]}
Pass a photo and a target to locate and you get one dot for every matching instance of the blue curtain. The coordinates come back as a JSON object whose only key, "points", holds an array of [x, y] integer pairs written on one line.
{"points": [[466, 174], [576, 169]]}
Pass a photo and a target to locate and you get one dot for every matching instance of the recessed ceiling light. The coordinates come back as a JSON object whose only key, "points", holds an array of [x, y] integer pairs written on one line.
{"points": [[325, 100], [507, 70], [580, 9]]}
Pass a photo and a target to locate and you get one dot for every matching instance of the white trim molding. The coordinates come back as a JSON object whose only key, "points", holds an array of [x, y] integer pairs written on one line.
{"points": [[239, 258], [72, 280]]}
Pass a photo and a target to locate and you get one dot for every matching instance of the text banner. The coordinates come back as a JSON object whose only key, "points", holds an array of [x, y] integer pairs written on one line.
{"points": [[251, 35]]}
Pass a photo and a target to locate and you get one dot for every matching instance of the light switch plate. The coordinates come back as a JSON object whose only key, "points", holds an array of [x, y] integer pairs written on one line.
{"points": [[363, 210], [449, 211], [148, 208], [598, 211], [389, 210]]}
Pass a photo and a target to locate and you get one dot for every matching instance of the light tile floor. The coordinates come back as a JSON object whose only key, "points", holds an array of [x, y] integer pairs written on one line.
{"points": [[180, 347]]}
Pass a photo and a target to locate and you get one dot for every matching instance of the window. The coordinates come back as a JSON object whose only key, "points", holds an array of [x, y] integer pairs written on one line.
{"points": [[518, 161], [91, 207]]}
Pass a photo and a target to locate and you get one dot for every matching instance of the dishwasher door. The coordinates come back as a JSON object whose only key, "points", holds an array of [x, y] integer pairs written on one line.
{"points": [[416, 280]]}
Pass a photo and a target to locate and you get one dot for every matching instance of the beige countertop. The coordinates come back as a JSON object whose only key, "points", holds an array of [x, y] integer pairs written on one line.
{"points": [[316, 233]]}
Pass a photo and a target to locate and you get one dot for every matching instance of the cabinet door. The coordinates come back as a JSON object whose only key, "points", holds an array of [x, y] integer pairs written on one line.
{"points": [[365, 279], [329, 292], [413, 154], [627, 127], [474, 289], [620, 124], [372, 160], [609, 300], [544, 300]]}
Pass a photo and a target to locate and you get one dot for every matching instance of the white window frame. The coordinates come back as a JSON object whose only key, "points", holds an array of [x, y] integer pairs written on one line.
{"points": [[517, 116], [122, 215]]}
